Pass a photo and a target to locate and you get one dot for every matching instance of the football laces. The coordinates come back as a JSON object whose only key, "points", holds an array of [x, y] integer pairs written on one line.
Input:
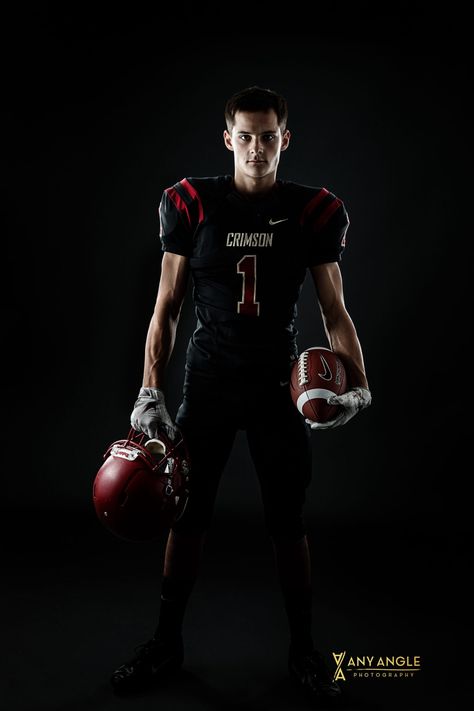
{"points": [[303, 376]]}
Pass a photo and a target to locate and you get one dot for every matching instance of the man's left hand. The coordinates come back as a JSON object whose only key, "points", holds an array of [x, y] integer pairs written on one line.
{"points": [[355, 400]]}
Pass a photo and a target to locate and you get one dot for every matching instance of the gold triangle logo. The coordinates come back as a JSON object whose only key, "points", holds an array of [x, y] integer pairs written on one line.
{"points": [[339, 658]]}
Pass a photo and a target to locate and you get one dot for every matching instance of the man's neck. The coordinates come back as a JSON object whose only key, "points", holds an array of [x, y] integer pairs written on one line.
{"points": [[254, 187]]}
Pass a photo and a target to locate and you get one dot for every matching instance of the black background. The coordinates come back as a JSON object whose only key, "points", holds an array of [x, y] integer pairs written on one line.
{"points": [[104, 112]]}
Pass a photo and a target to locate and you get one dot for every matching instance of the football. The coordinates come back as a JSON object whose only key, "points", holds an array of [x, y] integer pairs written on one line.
{"points": [[316, 375]]}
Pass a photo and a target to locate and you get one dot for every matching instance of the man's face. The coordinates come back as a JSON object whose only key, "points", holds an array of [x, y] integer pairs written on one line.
{"points": [[256, 140]]}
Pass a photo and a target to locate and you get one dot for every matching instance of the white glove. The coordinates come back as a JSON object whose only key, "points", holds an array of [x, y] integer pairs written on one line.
{"points": [[355, 400], [150, 415]]}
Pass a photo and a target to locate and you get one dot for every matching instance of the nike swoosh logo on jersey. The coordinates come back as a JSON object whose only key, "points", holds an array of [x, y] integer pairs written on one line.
{"points": [[276, 222], [327, 375]]}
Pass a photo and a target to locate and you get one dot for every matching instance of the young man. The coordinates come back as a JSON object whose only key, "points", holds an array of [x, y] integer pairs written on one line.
{"points": [[247, 241]]}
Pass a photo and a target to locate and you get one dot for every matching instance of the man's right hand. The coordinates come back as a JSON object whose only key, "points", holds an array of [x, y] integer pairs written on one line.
{"points": [[150, 415]]}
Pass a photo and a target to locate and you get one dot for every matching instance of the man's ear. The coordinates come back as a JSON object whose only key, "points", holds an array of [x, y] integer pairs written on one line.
{"points": [[228, 141], [285, 140]]}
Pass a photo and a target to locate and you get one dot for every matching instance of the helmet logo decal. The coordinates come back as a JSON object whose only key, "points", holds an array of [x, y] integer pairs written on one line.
{"points": [[124, 452]]}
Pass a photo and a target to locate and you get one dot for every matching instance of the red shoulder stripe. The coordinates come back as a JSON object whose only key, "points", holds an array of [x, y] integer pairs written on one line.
{"points": [[195, 196], [330, 210], [178, 201], [313, 203]]}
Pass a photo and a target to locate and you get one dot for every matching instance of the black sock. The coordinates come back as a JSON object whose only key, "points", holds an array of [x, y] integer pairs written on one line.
{"points": [[174, 598], [298, 609]]}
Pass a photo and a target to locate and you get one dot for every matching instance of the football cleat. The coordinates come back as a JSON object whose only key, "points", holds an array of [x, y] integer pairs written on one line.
{"points": [[310, 673], [154, 661]]}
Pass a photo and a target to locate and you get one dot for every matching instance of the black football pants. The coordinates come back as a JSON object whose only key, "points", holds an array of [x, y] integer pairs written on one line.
{"points": [[211, 413]]}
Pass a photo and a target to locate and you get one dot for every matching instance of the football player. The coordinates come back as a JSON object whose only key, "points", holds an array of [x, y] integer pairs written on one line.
{"points": [[247, 241]]}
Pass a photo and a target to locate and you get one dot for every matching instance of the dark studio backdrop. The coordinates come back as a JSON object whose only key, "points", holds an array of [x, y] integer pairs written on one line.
{"points": [[102, 117]]}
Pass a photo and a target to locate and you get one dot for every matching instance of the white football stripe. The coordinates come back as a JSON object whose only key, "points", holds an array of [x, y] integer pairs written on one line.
{"points": [[310, 394]]}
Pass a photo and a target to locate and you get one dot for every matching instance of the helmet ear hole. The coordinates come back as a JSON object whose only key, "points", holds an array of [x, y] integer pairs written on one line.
{"points": [[155, 446]]}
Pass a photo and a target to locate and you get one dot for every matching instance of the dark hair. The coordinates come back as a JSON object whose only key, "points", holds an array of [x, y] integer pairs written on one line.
{"points": [[254, 98]]}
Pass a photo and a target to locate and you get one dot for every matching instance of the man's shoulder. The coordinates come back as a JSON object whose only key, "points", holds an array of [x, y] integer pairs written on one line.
{"points": [[316, 206], [201, 187], [300, 190], [312, 198]]}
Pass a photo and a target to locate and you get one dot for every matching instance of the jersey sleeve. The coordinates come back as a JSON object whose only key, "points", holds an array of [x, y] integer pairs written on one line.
{"points": [[180, 213], [325, 222]]}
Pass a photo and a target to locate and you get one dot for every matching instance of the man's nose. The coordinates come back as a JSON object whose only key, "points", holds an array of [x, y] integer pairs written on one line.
{"points": [[256, 146]]}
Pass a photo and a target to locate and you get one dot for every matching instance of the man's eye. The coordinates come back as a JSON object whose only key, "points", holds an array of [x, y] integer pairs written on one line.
{"points": [[245, 137], [269, 137]]}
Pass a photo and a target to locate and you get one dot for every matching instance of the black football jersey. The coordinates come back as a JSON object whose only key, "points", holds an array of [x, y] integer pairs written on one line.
{"points": [[248, 258]]}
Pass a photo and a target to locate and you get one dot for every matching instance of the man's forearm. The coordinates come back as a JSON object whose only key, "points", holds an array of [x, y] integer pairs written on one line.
{"points": [[162, 330], [343, 340], [158, 348]]}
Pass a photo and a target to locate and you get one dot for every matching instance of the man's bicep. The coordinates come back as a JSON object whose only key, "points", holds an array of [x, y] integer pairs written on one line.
{"points": [[327, 280], [173, 281]]}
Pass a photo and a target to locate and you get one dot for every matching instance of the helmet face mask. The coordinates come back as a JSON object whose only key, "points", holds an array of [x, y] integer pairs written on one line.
{"points": [[141, 489]]}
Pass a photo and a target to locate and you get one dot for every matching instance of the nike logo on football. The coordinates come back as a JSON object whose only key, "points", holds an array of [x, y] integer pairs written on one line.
{"points": [[276, 222], [327, 375]]}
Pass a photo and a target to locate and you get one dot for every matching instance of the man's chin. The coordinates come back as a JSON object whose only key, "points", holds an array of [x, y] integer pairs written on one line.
{"points": [[257, 171]]}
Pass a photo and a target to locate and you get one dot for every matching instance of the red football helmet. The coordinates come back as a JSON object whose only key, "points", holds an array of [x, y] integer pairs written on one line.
{"points": [[142, 488]]}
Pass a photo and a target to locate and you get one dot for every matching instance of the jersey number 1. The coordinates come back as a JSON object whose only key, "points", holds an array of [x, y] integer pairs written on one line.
{"points": [[248, 268]]}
